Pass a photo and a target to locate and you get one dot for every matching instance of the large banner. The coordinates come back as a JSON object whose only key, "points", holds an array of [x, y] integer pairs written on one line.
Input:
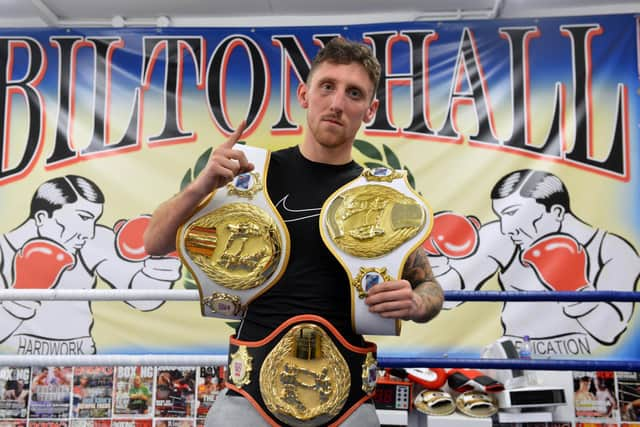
{"points": [[521, 134]]}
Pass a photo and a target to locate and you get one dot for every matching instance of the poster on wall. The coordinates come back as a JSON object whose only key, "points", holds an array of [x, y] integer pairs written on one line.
{"points": [[14, 383], [50, 392], [628, 389], [133, 392], [595, 396], [528, 159], [92, 392], [175, 392], [211, 381]]}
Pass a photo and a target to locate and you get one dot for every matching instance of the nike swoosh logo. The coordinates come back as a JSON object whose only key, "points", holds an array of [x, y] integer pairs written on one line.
{"points": [[292, 215]]}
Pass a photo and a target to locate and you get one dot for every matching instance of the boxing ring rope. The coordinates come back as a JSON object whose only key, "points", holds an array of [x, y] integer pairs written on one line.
{"points": [[193, 295], [389, 362], [23, 361]]}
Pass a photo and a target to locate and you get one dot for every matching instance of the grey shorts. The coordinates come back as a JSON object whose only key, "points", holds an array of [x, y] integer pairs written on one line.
{"points": [[237, 411]]}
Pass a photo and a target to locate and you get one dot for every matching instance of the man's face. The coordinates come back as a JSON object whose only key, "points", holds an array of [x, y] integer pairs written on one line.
{"points": [[71, 225], [338, 100], [524, 220]]}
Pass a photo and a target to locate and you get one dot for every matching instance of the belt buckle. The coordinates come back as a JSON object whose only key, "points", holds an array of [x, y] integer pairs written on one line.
{"points": [[434, 402], [477, 404], [372, 225], [235, 245], [305, 380]]}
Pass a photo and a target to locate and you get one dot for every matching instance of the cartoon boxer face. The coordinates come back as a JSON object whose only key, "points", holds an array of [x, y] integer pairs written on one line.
{"points": [[524, 220]]}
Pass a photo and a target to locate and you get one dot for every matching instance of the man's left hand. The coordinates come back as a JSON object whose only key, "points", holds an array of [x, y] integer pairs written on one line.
{"points": [[394, 299]]}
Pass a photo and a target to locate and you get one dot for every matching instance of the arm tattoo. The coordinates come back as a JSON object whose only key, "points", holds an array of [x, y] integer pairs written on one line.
{"points": [[417, 268], [417, 271]]}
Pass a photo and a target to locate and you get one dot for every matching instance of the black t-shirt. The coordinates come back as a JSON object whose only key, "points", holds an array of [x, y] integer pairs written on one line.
{"points": [[314, 282]]}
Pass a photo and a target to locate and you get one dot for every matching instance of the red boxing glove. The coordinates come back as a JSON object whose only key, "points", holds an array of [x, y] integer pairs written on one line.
{"points": [[39, 264], [130, 238], [462, 380], [559, 261], [453, 235], [430, 378]]}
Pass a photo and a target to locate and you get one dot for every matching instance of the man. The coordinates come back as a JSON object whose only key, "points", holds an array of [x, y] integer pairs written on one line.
{"points": [[42, 378], [208, 386], [61, 245], [79, 391], [539, 244], [604, 394], [139, 396], [585, 400], [59, 377], [17, 392], [338, 97], [207, 393]]}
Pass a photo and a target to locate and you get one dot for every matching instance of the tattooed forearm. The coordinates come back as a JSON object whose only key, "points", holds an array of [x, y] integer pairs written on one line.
{"points": [[417, 271], [417, 268], [431, 295]]}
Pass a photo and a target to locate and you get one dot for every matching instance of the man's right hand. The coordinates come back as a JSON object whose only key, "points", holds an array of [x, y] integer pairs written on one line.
{"points": [[225, 163]]}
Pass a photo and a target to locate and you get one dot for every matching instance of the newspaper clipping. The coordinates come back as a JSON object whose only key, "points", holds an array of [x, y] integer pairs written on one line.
{"points": [[175, 392], [50, 392], [594, 396], [211, 380], [92, 391], [15, 392], [133, 393]]}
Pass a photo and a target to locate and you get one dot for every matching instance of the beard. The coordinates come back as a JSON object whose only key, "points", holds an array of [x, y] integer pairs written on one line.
{"points": [[330, 137]]}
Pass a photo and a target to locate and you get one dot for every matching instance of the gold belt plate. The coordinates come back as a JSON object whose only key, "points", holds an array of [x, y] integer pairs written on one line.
{"points": [[372, 220], [305, 380], [477, 404], [237, 245]]}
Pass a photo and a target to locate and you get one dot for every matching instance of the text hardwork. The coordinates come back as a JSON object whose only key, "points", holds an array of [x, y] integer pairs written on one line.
{"points": [[467, 87]]}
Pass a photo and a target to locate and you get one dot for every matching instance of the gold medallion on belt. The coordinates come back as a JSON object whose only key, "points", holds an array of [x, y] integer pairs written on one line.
{"points": [[235, 245], [305, 380], [372, 220]]}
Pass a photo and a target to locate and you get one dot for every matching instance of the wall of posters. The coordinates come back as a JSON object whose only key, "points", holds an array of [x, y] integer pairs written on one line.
{"points": [[106, 396], [182, 396]]}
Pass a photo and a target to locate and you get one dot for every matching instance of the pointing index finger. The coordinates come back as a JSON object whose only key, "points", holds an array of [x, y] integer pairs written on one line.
{"points": [[235, 136]]}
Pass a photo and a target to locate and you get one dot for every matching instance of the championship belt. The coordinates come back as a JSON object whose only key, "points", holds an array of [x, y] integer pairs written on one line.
{"points": [[235, 245], [303, 374], [372, 225]]}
